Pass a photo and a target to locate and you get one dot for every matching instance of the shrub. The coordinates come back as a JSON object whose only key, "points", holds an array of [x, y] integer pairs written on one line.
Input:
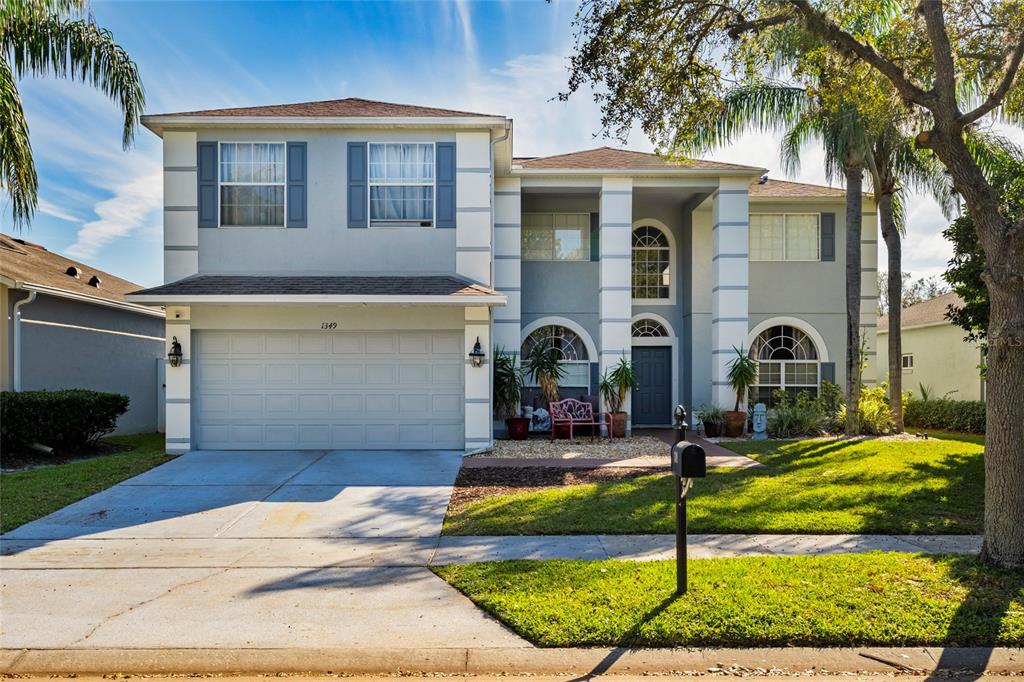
{"points": [[805, 416], [61, 419], [966, 416], [875, 414]]}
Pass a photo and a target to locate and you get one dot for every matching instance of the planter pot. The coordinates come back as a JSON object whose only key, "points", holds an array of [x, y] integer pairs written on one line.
{"points": [[619, 424], [712, 429], [518, 427], [734, 422]]}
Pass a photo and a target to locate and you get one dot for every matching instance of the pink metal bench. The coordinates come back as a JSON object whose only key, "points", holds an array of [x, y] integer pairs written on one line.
{"points": [[573, 413]]}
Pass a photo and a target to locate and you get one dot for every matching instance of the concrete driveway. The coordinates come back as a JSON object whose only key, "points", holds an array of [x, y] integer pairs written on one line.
{"points": [[246, 550]]}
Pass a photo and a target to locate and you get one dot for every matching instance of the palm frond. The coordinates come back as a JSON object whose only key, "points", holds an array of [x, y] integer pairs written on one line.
{"points": [[76, 49], [17, 170], [762, 106]]}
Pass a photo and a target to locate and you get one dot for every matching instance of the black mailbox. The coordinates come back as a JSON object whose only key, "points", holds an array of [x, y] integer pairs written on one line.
{"points": [[689, 460]]}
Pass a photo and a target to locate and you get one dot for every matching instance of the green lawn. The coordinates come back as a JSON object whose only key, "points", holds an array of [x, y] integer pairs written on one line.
{"points": [[976, 438], [885, 599], [810, 486], [31, 494]]}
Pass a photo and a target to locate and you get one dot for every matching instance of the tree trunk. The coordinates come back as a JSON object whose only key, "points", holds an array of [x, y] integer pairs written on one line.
{"points": [[854, 199], [894, 294]]}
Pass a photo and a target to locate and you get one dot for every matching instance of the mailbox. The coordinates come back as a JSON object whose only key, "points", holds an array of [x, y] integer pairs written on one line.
{"points": [[689, 460]]}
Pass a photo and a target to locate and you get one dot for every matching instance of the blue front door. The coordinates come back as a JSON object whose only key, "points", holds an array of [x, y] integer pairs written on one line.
{"points": [[652, 397]]}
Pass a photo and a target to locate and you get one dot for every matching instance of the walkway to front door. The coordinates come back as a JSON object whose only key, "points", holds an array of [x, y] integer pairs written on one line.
{"points": [[652, 398]]}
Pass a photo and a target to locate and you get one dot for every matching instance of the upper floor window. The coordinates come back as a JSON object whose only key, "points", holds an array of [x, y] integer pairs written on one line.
{"points": [[556, 236], [252, 184], [651, 264], [402, 184], [785, 237]]}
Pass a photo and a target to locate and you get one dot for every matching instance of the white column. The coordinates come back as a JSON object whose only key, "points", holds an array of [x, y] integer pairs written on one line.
{"points": [[479, 425], [869, 294], [507, 264], [730, 284], [473, 206], [616, 271], [181, 206], [179, 381]]}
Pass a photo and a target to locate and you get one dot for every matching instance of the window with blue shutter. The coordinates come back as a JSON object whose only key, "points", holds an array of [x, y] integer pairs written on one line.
{"points": [[828, 236], [358, 191], [206, 156], [297, 199], [445, 173]]}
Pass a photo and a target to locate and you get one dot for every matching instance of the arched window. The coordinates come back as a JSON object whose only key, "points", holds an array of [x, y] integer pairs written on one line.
{"points": [[651, 264], [647, 327], [569, 346], [788, 360]]}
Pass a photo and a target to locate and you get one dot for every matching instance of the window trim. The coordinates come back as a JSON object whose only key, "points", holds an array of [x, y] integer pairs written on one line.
{"points": [[907, 368], [221, 183], [672, 268], [530, 383], [784, 214], [401, 224], [820, 349], [585, 229]]}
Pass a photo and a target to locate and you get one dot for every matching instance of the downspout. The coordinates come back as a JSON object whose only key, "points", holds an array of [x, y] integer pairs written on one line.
{"points": [[16, 370]]}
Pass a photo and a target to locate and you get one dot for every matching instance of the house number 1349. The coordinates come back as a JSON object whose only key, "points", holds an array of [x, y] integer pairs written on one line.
{"points": [[328, 325]]}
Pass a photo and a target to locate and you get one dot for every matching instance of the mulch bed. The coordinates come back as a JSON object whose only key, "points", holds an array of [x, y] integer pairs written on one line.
{"points": [[477, 484], [19, 460]]}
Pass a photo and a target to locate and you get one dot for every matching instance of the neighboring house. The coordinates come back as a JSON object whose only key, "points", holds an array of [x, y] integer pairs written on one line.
{"points": [[78, 331], [935, 354], [329, 266]]}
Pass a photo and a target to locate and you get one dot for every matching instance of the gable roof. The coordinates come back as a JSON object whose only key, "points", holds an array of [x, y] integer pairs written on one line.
{"points": [[627, 159], [30, 264], [350, 107], [931, 311], [785, 189]]}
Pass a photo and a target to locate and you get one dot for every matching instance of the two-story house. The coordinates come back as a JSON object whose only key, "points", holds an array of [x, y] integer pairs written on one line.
{"points": [[330, 267]]}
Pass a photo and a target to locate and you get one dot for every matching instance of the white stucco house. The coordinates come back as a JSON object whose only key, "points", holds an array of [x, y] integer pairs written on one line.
{"points": [[329, 266]]}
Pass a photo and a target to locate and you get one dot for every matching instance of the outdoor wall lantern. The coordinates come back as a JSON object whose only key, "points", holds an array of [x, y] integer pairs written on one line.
{"points": [[174, 356], [476, 356]]}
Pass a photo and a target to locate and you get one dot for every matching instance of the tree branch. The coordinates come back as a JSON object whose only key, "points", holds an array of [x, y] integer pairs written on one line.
{"points": [[1013, 62], [942, 53]]}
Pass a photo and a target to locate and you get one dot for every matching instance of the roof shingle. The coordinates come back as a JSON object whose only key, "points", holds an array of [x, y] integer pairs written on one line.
{"points": [[926, 312], [609, 157], [349, 107], [323, 285], [784, 189]]}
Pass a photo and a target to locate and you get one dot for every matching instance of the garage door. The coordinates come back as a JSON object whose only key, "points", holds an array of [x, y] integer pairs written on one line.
{"points": [[359, 390]]}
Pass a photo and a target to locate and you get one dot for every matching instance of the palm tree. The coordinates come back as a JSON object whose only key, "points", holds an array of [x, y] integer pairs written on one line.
{"points": [[58, 38]]}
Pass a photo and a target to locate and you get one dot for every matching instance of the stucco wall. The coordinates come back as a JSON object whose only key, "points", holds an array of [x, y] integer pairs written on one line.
{"points": [[943, 362], [88, 355], [327, 245]]}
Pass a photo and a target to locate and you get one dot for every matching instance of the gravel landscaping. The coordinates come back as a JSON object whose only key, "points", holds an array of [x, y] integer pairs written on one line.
{"points": [[544, 448]]}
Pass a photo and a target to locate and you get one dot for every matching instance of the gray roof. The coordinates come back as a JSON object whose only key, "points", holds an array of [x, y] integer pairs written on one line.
{"points": [[319, 285]]}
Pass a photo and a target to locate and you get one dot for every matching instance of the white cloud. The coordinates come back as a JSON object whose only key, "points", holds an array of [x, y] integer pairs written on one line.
{"points": [[51, 209], [134, 205]]}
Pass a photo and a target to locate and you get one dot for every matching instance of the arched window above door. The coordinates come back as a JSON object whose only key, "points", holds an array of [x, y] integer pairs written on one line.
{"points": [[648, 328], [652, 264]]}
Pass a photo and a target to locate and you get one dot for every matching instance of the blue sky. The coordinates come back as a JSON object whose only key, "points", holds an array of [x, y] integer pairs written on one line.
{"points": [[101, 205]]}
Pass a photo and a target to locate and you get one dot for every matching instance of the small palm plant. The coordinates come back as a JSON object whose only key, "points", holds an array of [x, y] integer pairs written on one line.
{"points": [[545, 367], [615, 383], [742, 375], [508, 385]]}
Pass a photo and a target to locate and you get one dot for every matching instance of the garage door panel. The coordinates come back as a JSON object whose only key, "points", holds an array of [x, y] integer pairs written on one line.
{"points": [[370, 390]]}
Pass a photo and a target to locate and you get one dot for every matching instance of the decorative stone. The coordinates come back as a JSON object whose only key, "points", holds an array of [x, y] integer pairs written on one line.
{"points": [[760, 421]]}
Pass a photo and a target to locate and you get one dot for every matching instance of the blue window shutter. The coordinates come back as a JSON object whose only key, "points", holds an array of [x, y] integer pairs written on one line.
{"points": [[595, 236], [828, 236], [828, 372], [206, 156], [444, 203], [358, 189], [297, 184]]}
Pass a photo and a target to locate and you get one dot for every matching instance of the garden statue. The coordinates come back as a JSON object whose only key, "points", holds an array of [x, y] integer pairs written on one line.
{"points": [[760, 421]]}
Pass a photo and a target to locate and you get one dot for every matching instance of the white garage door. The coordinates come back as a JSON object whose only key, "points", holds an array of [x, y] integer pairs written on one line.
{"points": [[326, 390]]}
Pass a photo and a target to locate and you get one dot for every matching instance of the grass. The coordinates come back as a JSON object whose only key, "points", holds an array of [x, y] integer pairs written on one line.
{"points": [[883, 599], [976, 438], [809, 486], [34, 493]]}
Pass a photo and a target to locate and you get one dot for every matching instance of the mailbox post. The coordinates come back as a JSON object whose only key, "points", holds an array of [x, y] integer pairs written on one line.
{"points": [[688, 462]]}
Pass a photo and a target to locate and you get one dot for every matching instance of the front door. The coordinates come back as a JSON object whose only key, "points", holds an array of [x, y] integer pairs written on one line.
{"points": [[652, 397]]}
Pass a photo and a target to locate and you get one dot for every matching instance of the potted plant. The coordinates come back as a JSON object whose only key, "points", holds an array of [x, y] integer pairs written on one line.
{"points": [[742, 375], [713, 418], [614, 385], [508, 392], [544, 366]]}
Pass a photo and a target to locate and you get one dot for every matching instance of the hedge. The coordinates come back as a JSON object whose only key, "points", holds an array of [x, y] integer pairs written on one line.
{"points": [[965, 416], [61, 419]]}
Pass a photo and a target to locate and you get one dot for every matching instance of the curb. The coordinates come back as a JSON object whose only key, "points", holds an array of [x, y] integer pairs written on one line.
{"points": [[594, 661]]}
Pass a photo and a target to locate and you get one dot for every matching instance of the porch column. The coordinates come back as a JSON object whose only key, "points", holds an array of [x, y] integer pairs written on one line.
{"points": [[479, 426], [181, 206], [869, 295], [473, 206], [730, 283], [178, 393], [507, 270], [616, 271]]}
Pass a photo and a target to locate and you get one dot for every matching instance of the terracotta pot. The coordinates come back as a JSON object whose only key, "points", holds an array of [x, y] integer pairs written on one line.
{"points": [[619, 424], [518, 427], [712, 429], [734, 422]]}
